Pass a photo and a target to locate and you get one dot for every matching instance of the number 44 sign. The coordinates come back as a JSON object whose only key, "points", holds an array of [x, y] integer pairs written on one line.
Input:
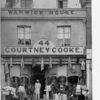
{"points": [[44, 43]]}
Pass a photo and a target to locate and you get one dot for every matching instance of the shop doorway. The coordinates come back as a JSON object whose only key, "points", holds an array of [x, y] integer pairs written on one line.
{"points": [[39, 75]]}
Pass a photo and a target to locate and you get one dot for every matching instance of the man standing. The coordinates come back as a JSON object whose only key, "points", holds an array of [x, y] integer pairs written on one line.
{"points": [[37, 89], [21, 91]]}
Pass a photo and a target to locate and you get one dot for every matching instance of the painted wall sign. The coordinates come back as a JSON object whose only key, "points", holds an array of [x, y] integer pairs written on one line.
{"points": [[33, 13], [44, 47], [41, 12]]}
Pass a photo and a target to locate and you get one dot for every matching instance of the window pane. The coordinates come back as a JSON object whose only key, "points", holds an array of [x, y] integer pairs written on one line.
{"points": [[60, 30], [27, 33], [60, 36], [60, 42], [67, 29], [27, 30], [66, 42], [20, 33], [9, 3], [21, 41], [67, 32], [20, 36], [28, 3], [66, 36], [20, 30], [23, 3], [27, 36], [60, 4], [28, 42]]}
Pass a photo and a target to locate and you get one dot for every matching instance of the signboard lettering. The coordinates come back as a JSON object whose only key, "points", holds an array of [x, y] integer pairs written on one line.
{"points": [[41, 12], [44, 50], [44, 47]]}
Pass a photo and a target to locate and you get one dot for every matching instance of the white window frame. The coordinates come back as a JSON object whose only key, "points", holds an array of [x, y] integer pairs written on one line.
{"points": [[24, 40], [61, 36]]}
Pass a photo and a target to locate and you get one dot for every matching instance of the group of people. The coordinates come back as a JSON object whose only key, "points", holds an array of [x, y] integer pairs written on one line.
{"points": [[59, 91], [24, 92], [30, 92]]}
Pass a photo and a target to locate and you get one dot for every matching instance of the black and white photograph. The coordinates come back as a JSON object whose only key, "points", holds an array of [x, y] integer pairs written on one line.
{"points": [[46, 50]]}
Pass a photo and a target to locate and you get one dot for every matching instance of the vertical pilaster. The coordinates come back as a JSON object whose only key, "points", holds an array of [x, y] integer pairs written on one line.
{"points": [[89, 77], [88, 73]]}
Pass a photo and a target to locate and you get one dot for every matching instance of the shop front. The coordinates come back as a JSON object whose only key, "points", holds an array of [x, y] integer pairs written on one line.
{"points": [[47, 63]]}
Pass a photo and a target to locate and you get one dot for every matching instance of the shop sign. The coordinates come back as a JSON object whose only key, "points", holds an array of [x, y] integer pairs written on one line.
{"points": [[44, 47], [43, 51]]}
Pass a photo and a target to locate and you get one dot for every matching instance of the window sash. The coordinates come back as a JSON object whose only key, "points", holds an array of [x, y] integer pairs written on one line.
{"points": [[10, 3], [60, 36], [20, 33], [66, 42], [28, 41], [21, 41], [20, 36], [26, 3], [60, 4], [67, 30], [67, 36], [60, 42], [23, 3], [27, 36], [60, 30], [27, 33]]}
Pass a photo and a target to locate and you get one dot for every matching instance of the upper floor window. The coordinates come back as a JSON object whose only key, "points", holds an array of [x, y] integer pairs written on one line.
{"points": [[24, 35], [10, 3], [63, 35], [21, 3], [62, 3], [26, 3]]}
